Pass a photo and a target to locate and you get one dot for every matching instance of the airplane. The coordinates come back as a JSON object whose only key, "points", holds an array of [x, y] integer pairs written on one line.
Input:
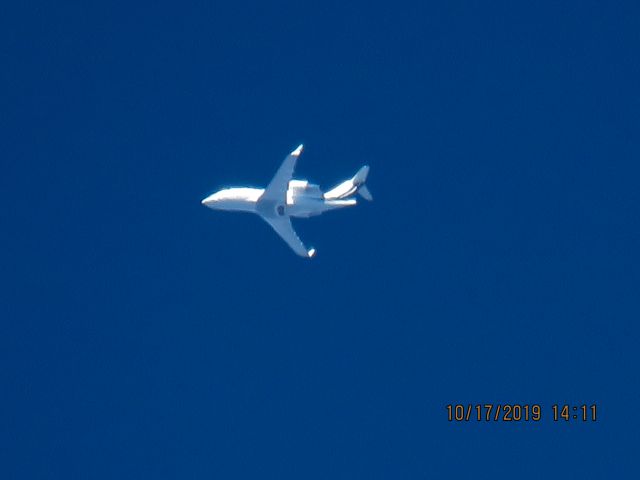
{"points": [[285, 197]]}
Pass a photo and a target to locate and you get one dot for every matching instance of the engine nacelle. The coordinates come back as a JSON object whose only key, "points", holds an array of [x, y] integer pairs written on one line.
{"points": [[302, 188]]}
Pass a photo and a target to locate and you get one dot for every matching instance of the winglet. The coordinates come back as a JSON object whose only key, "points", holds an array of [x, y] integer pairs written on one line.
{"points": [[297, 151], [311, 252]]}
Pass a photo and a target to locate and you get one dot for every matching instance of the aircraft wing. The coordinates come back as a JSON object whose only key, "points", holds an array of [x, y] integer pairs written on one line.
{"points": [[277, 189], [283, 227]]}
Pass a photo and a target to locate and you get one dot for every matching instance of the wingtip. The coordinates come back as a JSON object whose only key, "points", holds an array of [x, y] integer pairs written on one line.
{"points": [[298, 150]]}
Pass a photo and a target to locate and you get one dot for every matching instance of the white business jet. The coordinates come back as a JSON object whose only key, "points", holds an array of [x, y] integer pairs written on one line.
{"points": [[284, 198]]}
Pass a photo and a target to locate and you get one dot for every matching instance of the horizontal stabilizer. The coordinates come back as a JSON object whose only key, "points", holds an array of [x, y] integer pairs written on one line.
{"points": [[361, 177], [365, 193], [349, 187]]}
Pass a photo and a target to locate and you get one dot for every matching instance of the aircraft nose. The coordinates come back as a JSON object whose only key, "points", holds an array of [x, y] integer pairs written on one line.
{"points": [[213, 201]]}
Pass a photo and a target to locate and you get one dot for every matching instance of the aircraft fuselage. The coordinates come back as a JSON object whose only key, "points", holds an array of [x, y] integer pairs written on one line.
{"points": [[300, 204]]}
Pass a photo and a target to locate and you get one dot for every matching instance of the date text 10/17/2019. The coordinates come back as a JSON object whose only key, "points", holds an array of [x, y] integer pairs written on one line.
{"points": [[496, 412]]}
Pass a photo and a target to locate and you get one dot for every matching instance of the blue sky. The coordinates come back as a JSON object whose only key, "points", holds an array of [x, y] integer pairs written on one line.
{"points": [[146, 336]]}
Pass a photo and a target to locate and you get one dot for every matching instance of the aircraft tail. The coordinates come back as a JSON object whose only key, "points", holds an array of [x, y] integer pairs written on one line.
{"points": [[365, 193], [352, 186]]}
